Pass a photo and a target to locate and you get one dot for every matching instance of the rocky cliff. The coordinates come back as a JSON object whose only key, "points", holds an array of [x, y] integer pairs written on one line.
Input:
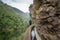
{"points": [[46, 16]]}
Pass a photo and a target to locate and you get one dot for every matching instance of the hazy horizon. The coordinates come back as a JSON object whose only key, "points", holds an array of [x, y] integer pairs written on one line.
{"points": [[22, 5]]}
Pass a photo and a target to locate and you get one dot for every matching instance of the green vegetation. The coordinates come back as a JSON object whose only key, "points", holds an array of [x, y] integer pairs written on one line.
{"points": [[12, 25]]}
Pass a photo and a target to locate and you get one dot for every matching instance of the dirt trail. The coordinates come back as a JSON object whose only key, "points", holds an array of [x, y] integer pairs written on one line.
{"points": [[28, 33]]}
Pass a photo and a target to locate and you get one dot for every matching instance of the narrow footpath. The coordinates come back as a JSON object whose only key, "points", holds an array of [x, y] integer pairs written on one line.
{"points": [[29, 32]]}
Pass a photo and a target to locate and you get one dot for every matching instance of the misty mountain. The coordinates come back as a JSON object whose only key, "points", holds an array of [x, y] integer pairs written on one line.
{"points": [[22, 14]]}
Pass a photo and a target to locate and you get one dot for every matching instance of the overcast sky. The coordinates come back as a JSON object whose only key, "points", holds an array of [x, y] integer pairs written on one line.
{"points": [[20, 4]]}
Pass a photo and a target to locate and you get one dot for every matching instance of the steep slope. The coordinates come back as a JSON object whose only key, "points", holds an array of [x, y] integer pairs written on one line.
{"points": [[11, 23], [22, 14]]}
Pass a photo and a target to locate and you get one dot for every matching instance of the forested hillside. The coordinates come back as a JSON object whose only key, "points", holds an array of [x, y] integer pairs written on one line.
{"points": [[12, 25], [25, 16]]}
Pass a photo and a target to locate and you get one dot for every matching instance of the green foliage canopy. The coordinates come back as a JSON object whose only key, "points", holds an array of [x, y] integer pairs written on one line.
{"points": [[11, 24]]}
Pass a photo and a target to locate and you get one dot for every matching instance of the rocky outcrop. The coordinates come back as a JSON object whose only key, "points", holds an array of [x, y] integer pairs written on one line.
{"points": [[46, 16]]}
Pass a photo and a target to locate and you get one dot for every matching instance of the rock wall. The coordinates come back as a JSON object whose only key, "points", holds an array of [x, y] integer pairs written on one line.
{"points": [[46, 16]]}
